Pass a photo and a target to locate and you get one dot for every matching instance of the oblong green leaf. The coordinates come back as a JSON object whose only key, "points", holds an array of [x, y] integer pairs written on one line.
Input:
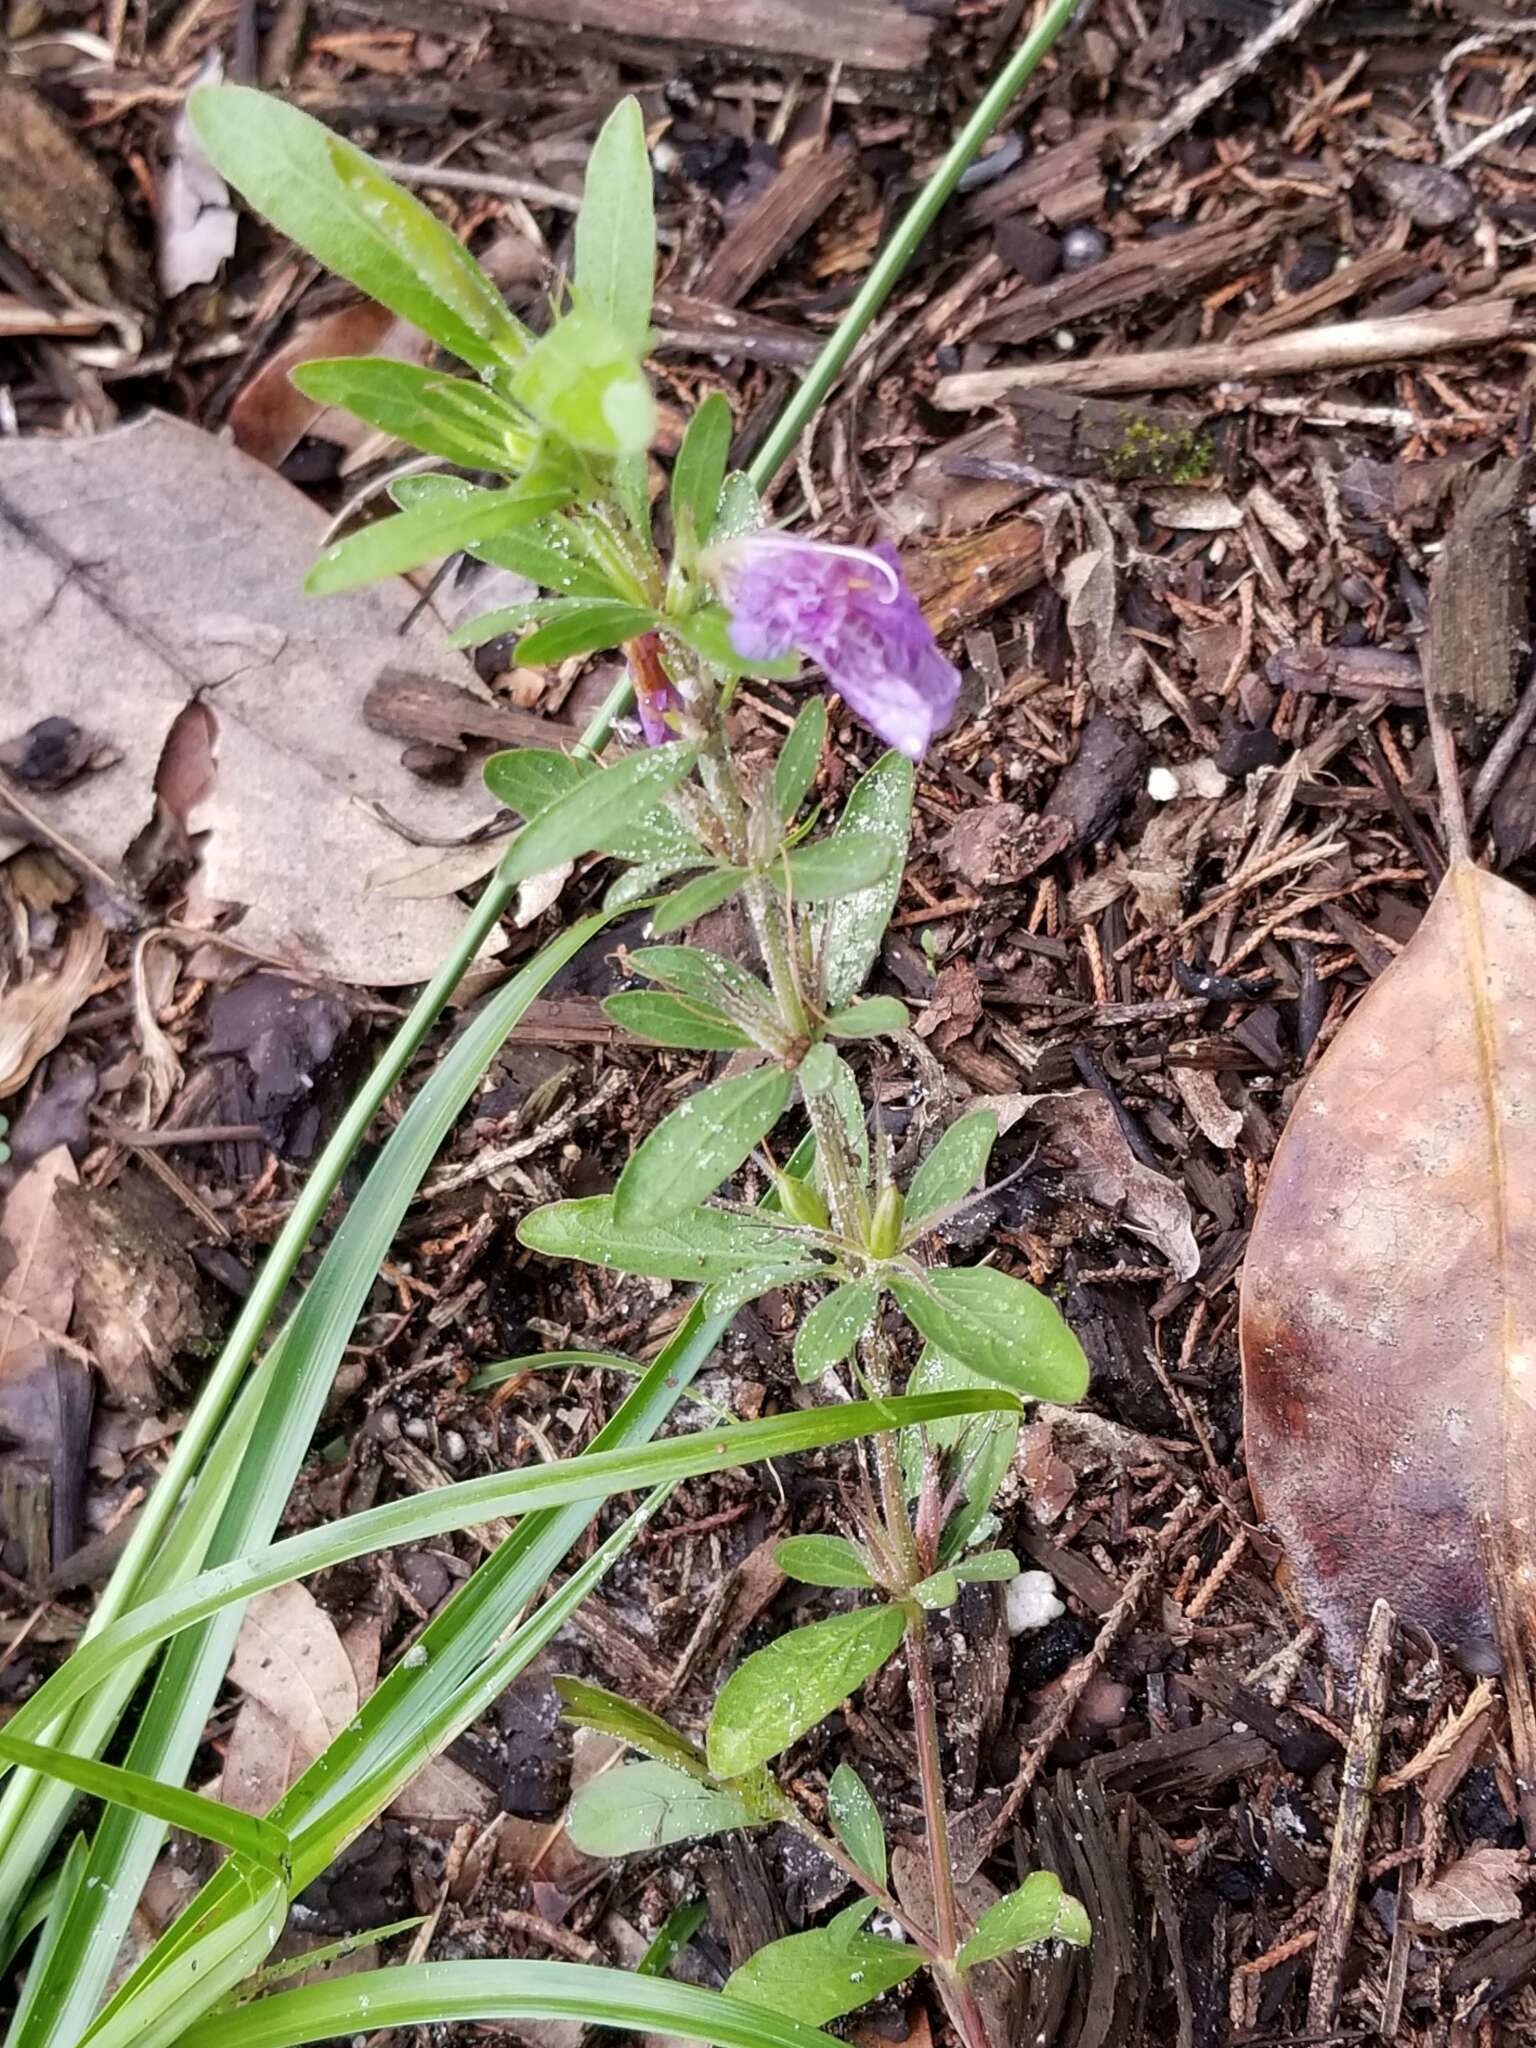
{"points": [[952, 1168], [987, 1566], [841, 865], [1001, 1327], [874, 1017], [701, 1245], [831, 1330], [391, 546], [503, 1369], [799, 758], [725, 1297], [856, 1822], [336, 203], [823, 1974], [771, 1699], [255, 1839], [581, 625], [699, 471], [592, 1706], [703, 976], [854, 925], [530, 779], [597, 807], [649, 1806], [940, 1589], [695, 899], [822, 1561], [616, 228], [591, 1477], [668, 1020], [1038, 1911], [699, 1145], [423, 1994], [549, 550], [454, 417]]}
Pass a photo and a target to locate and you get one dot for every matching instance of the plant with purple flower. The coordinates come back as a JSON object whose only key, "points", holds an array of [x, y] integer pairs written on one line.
{"points": [[850, 611]]}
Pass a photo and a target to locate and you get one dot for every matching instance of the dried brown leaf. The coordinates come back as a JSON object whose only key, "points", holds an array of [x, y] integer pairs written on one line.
{"points": [[1483, 1885], [35, 1014], [1389, 1296]]}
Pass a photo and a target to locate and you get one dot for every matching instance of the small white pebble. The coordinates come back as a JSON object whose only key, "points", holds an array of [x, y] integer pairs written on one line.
{"points": [[1065, 340], [455, 1450], [1032, 1602], [417, 1430], [1162, 785]]}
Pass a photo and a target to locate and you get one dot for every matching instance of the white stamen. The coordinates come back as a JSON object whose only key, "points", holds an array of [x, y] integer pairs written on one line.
{"points": [[770, 539]]}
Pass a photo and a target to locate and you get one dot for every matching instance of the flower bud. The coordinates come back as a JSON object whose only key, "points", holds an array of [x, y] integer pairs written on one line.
{"points": [[885, 1224], [800, 1201]]}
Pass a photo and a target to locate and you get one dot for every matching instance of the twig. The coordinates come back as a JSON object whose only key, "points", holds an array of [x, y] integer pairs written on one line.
{"points": [[1357, 1785], [1075, 1683], [1502, 753], [1503, 1600], [1453, 807], [1219, 81], [1344, 345]]}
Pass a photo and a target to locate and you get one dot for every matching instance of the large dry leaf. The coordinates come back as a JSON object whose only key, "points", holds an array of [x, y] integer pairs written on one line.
{"points": [[289, 1656], [154, 566], [1389, 1296]]}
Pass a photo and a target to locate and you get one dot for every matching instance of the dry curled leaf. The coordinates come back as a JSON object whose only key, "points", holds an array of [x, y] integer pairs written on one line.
{"points": [[1484, 1885], [35, 1014], [1389, 1296]]}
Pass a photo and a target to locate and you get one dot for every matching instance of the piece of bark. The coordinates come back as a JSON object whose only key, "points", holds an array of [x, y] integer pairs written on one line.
{"points": [[1167, 265], [794, 201], [868, 35], [411, 706], [998, 845], [1378, 266], [1347, 345], [1358, 1784], [1358, 672], [1070, 435], [688, 325], [1099, 781], [60, 210], [1044, 180], [1423, 193], [957, 582], [1479, 613]]}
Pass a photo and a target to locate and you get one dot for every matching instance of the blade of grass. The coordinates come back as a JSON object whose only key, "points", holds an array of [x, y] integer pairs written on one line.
{"points": [[173, 1804], [426, 1994], [591, 1478], [284, 1405]]}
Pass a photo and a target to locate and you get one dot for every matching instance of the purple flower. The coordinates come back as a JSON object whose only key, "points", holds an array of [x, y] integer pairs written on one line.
{"points": [[655, 696], [848, 610]]}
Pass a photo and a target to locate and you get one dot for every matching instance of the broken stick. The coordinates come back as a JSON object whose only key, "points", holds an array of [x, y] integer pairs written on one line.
{"points": [[1357, 1784]]}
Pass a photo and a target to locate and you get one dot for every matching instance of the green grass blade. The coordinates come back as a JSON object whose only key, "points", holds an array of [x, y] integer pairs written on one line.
{"points": [[426, 1994], [588, 1478], [257, 1839]]}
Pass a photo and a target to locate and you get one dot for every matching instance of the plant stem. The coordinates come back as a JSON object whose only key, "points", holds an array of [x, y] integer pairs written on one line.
{"points": [[834, 1852], [941, 1871], [902, 246]]}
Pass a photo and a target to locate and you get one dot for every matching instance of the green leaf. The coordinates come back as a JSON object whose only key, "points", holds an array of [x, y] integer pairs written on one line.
{"points": [[822, 1561], [503, 1369], [985, 1453], [854, 925], [579, 625], [454, 417], [708, 632], [1001, 1327], [799, 758], [591, 1477], [530, 779], [548, 551], [696, 899], [832, 1329], [700, 1245], [391, 546], [699, 1145], [740, 510], [456, 1994], [874, 1017], [667, 1020], [704, 976], [1038, 1911], [336, 203], [725, 1297], [942, 1589], [770, 1701], [839, 867], [649, 1806], [255, 1839], [820, 1975], [856, 1822], [699, 471], [952, 1168], [597, 807], [616, 228], [584, 382], [591, 1706], [817, 1072], [987, 1566]]}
